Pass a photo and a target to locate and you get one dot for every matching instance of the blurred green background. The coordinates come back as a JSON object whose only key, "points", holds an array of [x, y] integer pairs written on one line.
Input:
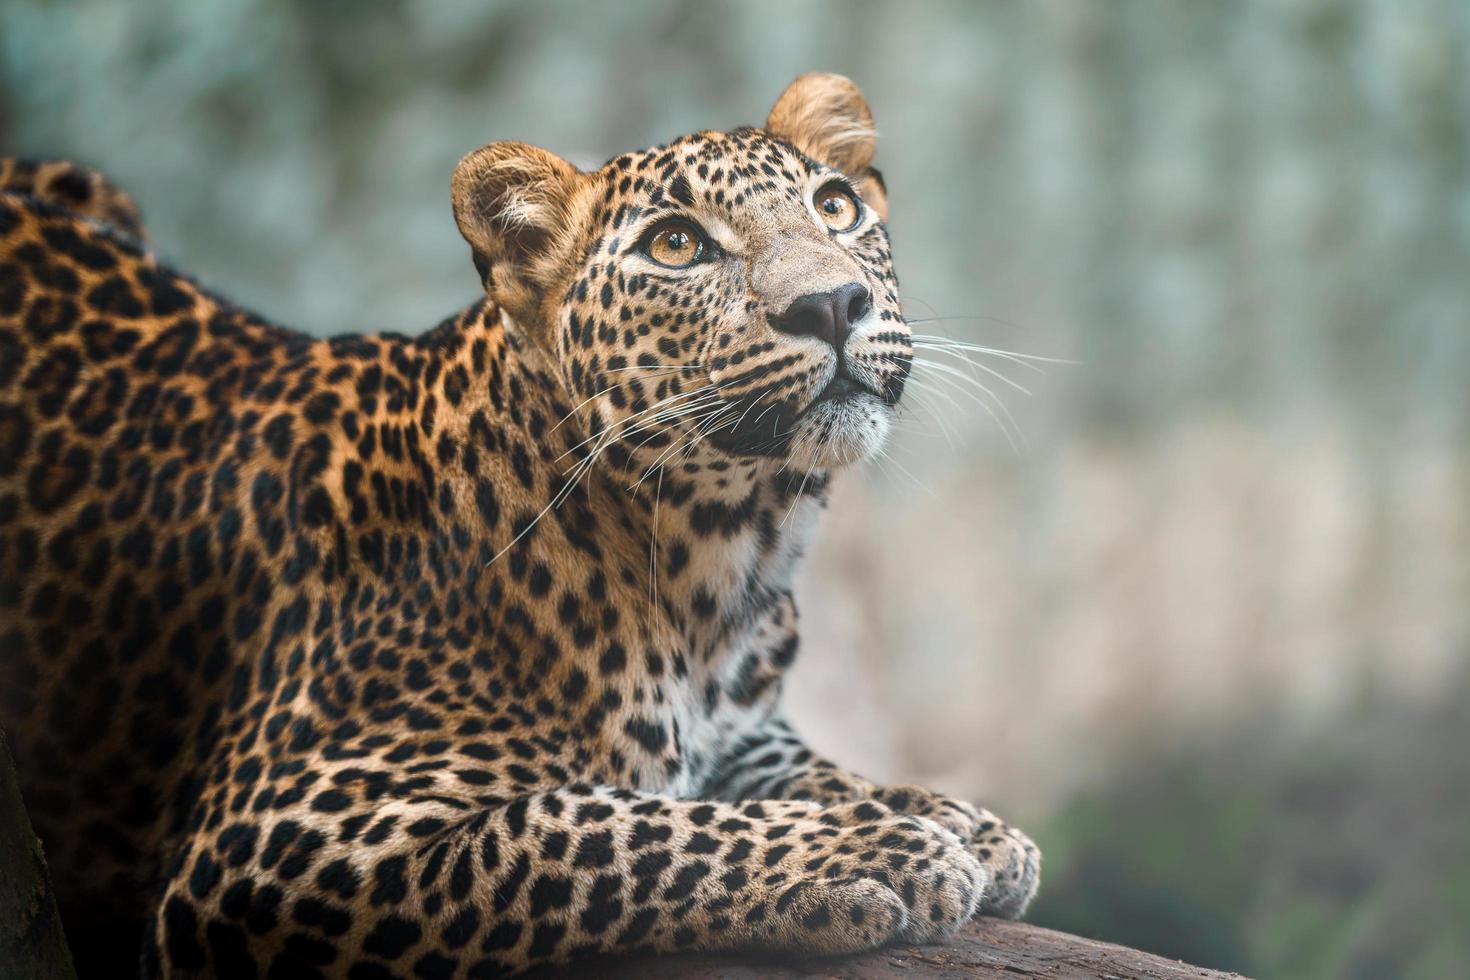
{"points": [[1204, 633]]}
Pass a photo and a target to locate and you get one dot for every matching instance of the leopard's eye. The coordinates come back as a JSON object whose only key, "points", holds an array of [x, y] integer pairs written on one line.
{"points": [[838, 209], [675, 244]]}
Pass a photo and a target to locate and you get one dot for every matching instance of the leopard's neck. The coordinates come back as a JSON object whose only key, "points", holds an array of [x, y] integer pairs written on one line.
{"points": [[709, 540]]}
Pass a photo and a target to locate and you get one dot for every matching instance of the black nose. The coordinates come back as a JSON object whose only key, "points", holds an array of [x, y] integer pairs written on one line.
{"points": [[828, 316]]}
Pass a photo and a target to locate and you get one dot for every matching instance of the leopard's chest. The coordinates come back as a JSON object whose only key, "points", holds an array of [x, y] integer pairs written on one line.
{"points": [[720, 703], [720, 655]]}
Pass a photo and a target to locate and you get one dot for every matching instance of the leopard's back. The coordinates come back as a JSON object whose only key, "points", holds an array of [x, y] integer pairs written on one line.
{"points": [[82, 192], [117, 381]]}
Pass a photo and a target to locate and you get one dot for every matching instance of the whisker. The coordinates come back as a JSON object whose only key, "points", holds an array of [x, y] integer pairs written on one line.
{"points": [[795, 500], [1005, 429], [706, 422], [653, 556], [936, 416], [683, 412], [579, 406], [956, 372], [692, 420], [670, 368], [625, 423], [886, 457], [972, 318], [963, 354], [584, 467], [932, 340]]}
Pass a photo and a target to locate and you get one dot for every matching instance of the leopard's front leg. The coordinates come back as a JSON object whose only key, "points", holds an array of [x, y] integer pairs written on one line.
{"points": [[774, 763], [475, 891]]}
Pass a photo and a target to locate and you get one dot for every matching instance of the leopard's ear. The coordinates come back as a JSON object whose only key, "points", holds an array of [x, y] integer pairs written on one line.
{"points": [[826, 117], [512, 202]]}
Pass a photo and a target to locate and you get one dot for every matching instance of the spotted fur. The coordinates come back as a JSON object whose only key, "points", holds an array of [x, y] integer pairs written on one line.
{"points": [[449, 655]]}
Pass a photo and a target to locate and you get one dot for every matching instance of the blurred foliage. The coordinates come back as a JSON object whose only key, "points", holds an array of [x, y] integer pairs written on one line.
{"points": [[1205, 634], [1325, 856]]}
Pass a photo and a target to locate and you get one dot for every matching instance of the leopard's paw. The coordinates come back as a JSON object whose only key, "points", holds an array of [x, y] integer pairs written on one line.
{"points": [[1013, 864], [834, 917], [935, 875]]}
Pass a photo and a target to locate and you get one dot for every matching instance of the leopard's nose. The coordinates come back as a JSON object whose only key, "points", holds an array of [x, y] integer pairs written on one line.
{"points": [[827, 316]]}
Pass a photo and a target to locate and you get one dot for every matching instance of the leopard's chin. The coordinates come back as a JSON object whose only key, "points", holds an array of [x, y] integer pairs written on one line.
{"points": [[840, 430]]}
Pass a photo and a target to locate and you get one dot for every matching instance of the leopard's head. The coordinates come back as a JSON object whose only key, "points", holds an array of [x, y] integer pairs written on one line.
{"points": [[729, 295]]}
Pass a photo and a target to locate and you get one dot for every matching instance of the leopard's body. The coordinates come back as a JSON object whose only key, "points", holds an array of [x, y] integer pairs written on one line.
{"points": [[304, 673]]}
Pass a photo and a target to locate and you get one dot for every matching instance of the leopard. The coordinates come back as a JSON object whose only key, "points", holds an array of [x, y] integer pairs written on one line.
{"points": [[460, 654]]}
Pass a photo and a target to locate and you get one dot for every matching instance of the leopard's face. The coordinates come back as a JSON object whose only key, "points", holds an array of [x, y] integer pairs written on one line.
{"points": [[740, 293], [727, 294]]}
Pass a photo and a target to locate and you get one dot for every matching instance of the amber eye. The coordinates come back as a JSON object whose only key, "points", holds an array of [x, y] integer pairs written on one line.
{"points": [[676, 244], [839, 210]]}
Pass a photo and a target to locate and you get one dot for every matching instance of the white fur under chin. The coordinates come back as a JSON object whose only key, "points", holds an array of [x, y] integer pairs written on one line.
{"points": [[836, 433]]}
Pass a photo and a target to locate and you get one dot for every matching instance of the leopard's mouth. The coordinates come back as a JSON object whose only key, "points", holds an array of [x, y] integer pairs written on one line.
{"points": [[769, 429], [758, 429], [842, 387]]}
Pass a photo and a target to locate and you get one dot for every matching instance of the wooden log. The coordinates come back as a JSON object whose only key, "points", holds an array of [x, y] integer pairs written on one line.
{"points": [[32, 944], [985, 949]]}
